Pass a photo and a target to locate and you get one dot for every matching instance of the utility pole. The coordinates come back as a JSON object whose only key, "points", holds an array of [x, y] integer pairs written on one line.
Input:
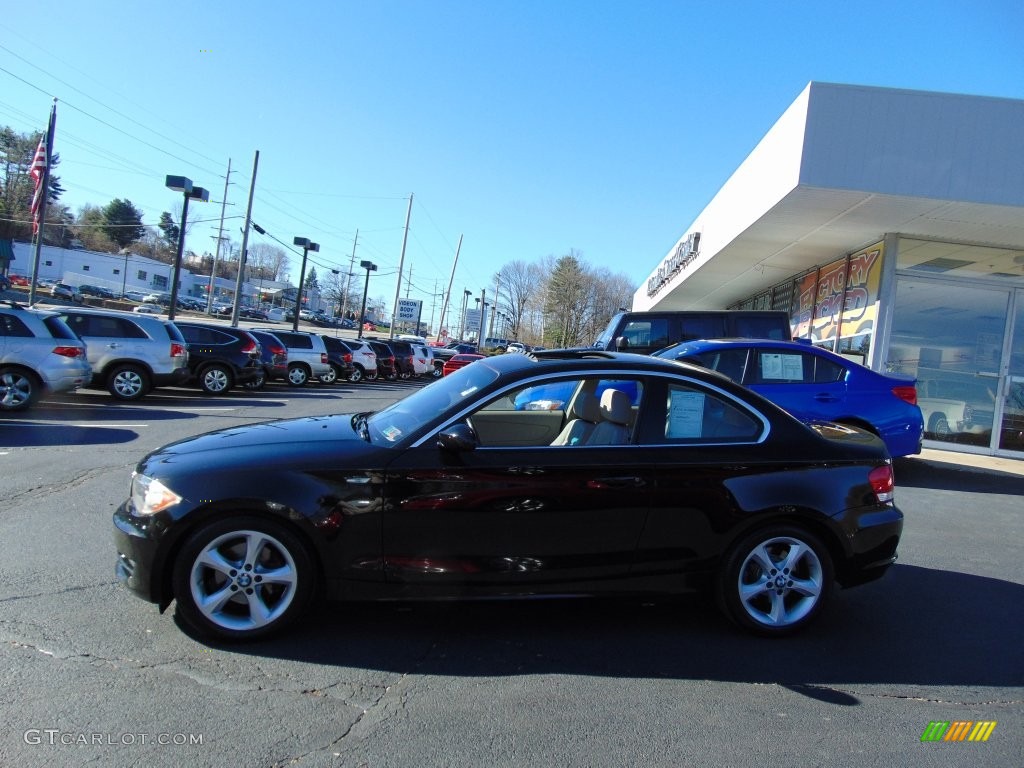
{"points": [[245, 244], [448, 295], [401, 265], [216, 251], [348, 277]]}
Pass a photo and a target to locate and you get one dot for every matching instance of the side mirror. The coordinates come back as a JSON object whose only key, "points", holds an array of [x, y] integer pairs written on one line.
{"points": [[457, 438], [621, 344]]}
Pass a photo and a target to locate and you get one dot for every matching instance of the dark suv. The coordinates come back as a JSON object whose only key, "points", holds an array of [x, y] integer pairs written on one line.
{"points": [[385, 359], [219, 356], [404, 355], [340, 357], [274, 356]]}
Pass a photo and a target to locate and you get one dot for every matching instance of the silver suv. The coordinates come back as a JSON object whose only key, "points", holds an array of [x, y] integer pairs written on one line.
{"points": [[307, 356], [364, 361], [130, 353], [38, 353]]}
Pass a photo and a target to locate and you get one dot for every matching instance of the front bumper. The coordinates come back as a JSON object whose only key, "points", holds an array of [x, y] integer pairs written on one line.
{"points": [[137, 543]]}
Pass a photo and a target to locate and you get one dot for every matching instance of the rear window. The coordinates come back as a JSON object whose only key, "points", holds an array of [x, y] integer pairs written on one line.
{"points": [[58, 328]]}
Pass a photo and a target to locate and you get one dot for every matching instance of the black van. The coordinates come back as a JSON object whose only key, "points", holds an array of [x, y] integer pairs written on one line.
{"points": [[647, 332]]}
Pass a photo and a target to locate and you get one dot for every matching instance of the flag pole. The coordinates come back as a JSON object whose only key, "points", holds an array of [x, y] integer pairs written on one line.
{"points": [[44, 189]]}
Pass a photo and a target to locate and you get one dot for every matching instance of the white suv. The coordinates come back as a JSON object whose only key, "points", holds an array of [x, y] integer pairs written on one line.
{"points": [[364, 361], [307, 356], [38, 353], [130, 353]]}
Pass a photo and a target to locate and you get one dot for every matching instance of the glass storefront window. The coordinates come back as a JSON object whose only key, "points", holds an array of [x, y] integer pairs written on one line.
{"points": [[950, 337]]}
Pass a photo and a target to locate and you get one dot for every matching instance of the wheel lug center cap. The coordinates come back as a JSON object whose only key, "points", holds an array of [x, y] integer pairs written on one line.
{"points": [[244, 580], [780, 582]]}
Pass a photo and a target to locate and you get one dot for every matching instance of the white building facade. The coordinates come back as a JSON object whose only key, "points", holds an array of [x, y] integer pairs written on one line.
{"points": [[890, 225]]}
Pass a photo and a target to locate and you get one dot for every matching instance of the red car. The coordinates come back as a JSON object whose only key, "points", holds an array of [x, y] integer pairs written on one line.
{"points": [[457, 361], [19, 280]]}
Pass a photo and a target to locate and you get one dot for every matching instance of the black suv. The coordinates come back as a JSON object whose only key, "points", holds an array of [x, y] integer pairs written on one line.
{"points": [[405, 368], [219, 356], [340, 358], [385, 359], [273, 355]]}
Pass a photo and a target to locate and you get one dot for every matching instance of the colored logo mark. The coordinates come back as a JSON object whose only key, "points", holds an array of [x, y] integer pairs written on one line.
{"points": [[958, 730]]}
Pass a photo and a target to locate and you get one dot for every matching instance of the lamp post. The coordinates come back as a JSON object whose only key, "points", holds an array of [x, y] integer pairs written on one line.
{"points": [[466, 293], [190, 192], [369, 266], [307, 246]]}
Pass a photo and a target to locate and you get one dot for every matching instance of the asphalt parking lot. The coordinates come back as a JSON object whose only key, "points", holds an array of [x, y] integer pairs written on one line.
{"points": [[93, 676]]}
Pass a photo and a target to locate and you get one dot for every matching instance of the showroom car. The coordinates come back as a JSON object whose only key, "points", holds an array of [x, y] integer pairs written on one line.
{"points": [[814, 383], [693, 484]]}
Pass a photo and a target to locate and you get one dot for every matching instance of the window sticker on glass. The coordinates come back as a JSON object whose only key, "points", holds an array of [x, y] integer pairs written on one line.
{"points": [[783, 367], [685, 414], [391, 434]]}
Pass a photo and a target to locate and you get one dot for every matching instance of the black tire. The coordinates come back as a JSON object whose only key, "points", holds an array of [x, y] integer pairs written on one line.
{"points": [[298, 375], [373, 375], [19, 389], [357, 375], [216, 379], [249, 547], [127, 382], [329, 378], [258, 383], [938, 424], [775, 581]]}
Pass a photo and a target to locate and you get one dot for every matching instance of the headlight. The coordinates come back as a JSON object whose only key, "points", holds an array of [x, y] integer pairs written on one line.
{"points": [[150, 496]]}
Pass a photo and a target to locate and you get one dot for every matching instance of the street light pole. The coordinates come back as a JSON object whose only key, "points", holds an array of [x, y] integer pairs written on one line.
{"points": [[183, 185], [369, 266], [307, 246]]}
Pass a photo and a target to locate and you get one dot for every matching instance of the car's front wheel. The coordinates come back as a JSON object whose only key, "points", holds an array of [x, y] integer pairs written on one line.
{"points": [[127, 382], [298, 376], [357, 374], [242, 578], [18, 389], [216, 379], [775, 581]]}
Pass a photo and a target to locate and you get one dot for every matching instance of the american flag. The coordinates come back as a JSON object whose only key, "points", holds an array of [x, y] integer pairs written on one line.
{"points": [[38, 171]]}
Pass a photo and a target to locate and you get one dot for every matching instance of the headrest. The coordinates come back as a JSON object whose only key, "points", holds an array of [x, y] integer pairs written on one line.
{"points": [[616, 406], [586, 407]]}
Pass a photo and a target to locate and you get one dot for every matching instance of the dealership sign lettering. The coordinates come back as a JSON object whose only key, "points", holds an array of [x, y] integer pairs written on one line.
{"points": [[684, 255]]}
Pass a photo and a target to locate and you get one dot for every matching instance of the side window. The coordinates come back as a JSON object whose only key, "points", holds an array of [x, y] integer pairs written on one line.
{"points": [[647, 334], [730, 362], [826, 371], [129, 330], [693, 415], [760, 327], [784, 368], [13, 326], [701, 327]]}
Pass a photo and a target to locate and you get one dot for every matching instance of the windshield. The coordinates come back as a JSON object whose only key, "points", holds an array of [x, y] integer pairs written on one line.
{"points": [[606, 339], [422, 408]]}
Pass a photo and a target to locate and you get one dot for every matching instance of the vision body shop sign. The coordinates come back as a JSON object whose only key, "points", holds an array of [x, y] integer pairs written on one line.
{"points": [[409, 310]]}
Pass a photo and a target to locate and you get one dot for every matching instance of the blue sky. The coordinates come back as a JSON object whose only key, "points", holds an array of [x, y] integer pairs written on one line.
{"points": [[531, 128]]}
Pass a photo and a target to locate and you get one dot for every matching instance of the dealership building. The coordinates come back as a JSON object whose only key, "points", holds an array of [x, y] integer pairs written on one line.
{"points": [[889, 224]]}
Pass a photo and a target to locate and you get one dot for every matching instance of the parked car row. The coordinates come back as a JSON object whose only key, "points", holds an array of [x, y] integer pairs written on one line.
{"points": [[129, 354]]}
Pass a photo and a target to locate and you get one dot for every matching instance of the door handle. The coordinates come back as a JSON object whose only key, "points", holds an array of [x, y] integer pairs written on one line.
{"points": [[824, 397]]}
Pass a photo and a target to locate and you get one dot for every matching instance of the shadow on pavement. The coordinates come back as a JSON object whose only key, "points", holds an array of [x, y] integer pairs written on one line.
{"points": [[916, 627], [26, 435], [918, 473]]}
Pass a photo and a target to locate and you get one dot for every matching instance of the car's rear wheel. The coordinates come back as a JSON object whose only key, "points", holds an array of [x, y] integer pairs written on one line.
{"points": [[357, 374], [258, 383], [938, 424], [372, 375], [18, 389], [775, 581], [127, 382], [298, 375], [216, 379], [438, 371], [242, 578], [330, 377]]}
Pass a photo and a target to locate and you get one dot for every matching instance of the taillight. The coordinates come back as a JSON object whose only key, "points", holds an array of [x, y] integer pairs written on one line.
{"points": [[323, 358], [281, 351], [347, 357], [68, 351], [907, 394], [177, 350], [882, 483]]}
